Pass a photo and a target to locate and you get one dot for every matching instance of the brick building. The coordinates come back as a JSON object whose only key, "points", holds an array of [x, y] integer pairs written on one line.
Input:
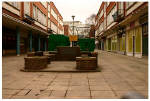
{"points": [[67, 30], [92, 31], [80, 29], [26, 26], [122, 27]]}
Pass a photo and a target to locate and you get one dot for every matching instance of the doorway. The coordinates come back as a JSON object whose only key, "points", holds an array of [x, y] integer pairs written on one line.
{"points": [[133, 45], [145, 39]]}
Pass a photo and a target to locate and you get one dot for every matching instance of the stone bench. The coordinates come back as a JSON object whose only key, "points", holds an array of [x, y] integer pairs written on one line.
{"points": [[39, 53], [30, 54], [36, 62], [86, 63], [49, 58], [53, 52], [53, 57]]}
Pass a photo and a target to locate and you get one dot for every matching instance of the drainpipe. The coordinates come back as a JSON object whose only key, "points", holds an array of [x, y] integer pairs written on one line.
{"points": [[45, 44], [39, 43], [30, 37], [18, 41]]}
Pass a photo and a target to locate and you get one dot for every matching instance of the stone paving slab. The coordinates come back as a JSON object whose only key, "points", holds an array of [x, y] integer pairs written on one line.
{"points": [[78, 88], [6, 96], [62, 66], [24, 97], [58, 93], [119, 75], [103, 94], [78, 93]]}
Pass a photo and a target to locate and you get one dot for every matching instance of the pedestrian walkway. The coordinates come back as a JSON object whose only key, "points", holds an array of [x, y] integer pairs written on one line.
{"points": [[118, 76]]}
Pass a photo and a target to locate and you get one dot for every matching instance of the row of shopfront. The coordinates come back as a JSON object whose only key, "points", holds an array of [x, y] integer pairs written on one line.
{"points": [[130, 37], [20, 38]]}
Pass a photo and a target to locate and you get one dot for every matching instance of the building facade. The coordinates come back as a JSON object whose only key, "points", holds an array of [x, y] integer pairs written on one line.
{"points": [[67, 30], [26, 26], [92, 31], [80, 29], [122, 27]]}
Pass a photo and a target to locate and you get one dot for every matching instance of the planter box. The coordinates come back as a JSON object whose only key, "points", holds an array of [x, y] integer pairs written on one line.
{"points": [[53, 57], [67, 53], [86, 63], [36, 62], [39, 53], [48, 58], [31, 54]]}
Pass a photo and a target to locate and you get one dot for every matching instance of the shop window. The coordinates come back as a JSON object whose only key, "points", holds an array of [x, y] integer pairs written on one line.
{"points": [[145, 29]]}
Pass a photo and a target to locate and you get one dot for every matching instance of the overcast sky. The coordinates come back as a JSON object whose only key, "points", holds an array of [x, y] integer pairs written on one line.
{"points": [[80, 8]]}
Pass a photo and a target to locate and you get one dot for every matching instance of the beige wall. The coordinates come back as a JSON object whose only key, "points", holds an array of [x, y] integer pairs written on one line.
{"points": [[134, 7], [10, 8]]}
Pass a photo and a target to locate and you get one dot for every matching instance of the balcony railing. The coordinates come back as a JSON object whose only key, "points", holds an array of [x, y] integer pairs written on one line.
{"points": [[28, 19], [50, 31], [118, 15]]}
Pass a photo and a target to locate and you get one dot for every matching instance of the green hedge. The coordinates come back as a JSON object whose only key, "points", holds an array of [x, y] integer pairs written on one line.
{"points": [[57, 40], [86, 44]]}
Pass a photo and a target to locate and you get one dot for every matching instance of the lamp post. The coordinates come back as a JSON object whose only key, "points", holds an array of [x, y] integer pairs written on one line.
{"points": [[77, 30], [73, 28], [73, 22]]}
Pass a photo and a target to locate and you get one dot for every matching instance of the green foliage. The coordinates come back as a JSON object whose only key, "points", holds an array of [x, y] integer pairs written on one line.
{"points": [[57, 40], [86, 44]]}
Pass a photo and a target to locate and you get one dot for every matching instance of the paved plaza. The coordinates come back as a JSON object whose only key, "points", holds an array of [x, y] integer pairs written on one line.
{"points": [[119, 74]]}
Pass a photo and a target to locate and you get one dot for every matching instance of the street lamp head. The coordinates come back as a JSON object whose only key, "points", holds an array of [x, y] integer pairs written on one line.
{"points": [[73, 17]]}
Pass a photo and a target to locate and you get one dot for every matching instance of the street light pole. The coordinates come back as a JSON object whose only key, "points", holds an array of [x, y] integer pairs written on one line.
{"points": [[73, 28], [73, 23]]}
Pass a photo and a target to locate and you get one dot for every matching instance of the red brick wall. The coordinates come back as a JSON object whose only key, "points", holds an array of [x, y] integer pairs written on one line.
{"points": [[66, 29], [60, 27], [92, 31], [110, 7], [31, 9], [22, 10]]}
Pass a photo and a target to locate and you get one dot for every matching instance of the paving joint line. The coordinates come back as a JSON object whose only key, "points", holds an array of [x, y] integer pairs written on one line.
{"points": [[52, 81], [19, 91], [89, 87], [110, 86], [28, 92], [68, 86]]}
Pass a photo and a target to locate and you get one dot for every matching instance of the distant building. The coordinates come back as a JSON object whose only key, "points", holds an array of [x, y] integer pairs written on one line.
{"points": [[79, 28], [26, 26], [92, 31], [122, 27], [67, 30]]}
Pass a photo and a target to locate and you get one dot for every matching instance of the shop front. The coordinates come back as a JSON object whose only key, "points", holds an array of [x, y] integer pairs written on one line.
{"points": [[134, 40]]}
